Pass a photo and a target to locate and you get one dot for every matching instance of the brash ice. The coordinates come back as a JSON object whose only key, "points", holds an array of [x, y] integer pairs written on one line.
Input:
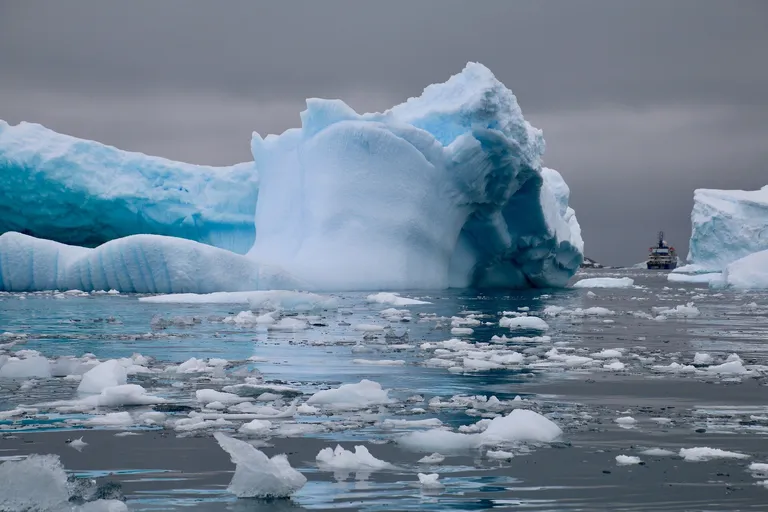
{"points": [[444, 190]]}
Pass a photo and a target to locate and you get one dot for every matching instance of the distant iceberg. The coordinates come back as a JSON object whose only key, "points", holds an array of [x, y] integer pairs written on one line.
{"points": [[81, 192], [727, 225], [444, 190]]}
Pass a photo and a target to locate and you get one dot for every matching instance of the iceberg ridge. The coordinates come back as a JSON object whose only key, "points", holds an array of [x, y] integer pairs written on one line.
{"points": [[81, 192]]}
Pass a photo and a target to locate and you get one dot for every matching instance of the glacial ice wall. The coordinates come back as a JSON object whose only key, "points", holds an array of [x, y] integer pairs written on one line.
{"points": [[443, 190], [81, 192], [727, 225]]}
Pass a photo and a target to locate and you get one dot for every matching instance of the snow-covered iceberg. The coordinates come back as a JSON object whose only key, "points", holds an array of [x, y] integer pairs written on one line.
{"points": [[443, 190], [81, 192], [727, 225], [446, 189]]}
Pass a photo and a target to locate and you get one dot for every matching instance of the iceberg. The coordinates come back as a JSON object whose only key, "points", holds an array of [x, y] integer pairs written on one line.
{"points": [[136, 264], [81, 192], [444, 190], [727, 225], [749, 272]]}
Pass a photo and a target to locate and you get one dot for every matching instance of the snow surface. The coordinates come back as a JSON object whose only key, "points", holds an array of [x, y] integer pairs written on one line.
{"points": [[727, 225], [256, 475], [81, 192], [446, 189]]}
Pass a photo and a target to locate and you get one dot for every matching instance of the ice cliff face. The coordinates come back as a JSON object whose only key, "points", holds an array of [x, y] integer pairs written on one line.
{"points": [[446, 189], [443, 190], [727, 225], [81, 192]]}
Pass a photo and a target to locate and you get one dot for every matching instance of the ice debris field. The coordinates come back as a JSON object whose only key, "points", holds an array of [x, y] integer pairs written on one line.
{"points": [[450, 396], [444, 190]]}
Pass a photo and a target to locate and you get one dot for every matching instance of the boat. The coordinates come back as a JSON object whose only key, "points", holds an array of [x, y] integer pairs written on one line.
{"points": [[662, 256]]}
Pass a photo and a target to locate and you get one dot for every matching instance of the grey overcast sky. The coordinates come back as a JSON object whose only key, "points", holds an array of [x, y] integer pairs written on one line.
{"points": [[641, 102]]}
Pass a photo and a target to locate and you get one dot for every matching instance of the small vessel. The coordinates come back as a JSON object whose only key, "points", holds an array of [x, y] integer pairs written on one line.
{"points": [[662, 256]]}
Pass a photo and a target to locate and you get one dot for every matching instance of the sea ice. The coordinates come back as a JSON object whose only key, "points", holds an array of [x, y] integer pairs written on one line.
{"points": [[703, 453], [352, 396], [359, 460], [284, 300], [627, 460], [394, 299], [256, 475], [435, 458], [105, 375], [429, 481], [605, 282], [524, 322], [657, 452], [16, 368]]}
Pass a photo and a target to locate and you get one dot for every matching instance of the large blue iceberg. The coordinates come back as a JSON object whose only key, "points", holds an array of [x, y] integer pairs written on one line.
{"points": [[82, 192], [444, 190]]}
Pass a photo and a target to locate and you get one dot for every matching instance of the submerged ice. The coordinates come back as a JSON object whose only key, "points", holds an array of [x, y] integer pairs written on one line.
{"points": [[444, 190]]}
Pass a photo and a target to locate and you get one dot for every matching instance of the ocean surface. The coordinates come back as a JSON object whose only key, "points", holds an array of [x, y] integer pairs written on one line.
{"points": [[633, 360]]}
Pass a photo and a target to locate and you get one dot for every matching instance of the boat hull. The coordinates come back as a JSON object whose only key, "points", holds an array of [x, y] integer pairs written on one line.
{"points": [[662, 266]]}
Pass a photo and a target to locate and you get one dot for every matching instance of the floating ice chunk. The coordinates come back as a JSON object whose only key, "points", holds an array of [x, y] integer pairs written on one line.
{"points": [[368, 327], [759, 469], [499, 454], [34, 366], [615, 366], [675, 367], [702, 453], [256, 475], [400, 423], [694, 278], [462, 331], [730, 367], [435, 458], [124, 394], [307, 409], [657, 452], [206, 396], [524, 322], [379, 362], [359, 460], [430, 481], [256, 427], [605, 282], [111, 419], [199, 423], [78, 444], [37, 482], [702, 358], [680, 311], [626, 420], [608, 353], [105, 375], [352, 396], [394, 299], [521, 425], [627, 460]]}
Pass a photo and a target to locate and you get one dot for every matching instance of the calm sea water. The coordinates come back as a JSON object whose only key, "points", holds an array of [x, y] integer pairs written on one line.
{"points": [[164, 469]]}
